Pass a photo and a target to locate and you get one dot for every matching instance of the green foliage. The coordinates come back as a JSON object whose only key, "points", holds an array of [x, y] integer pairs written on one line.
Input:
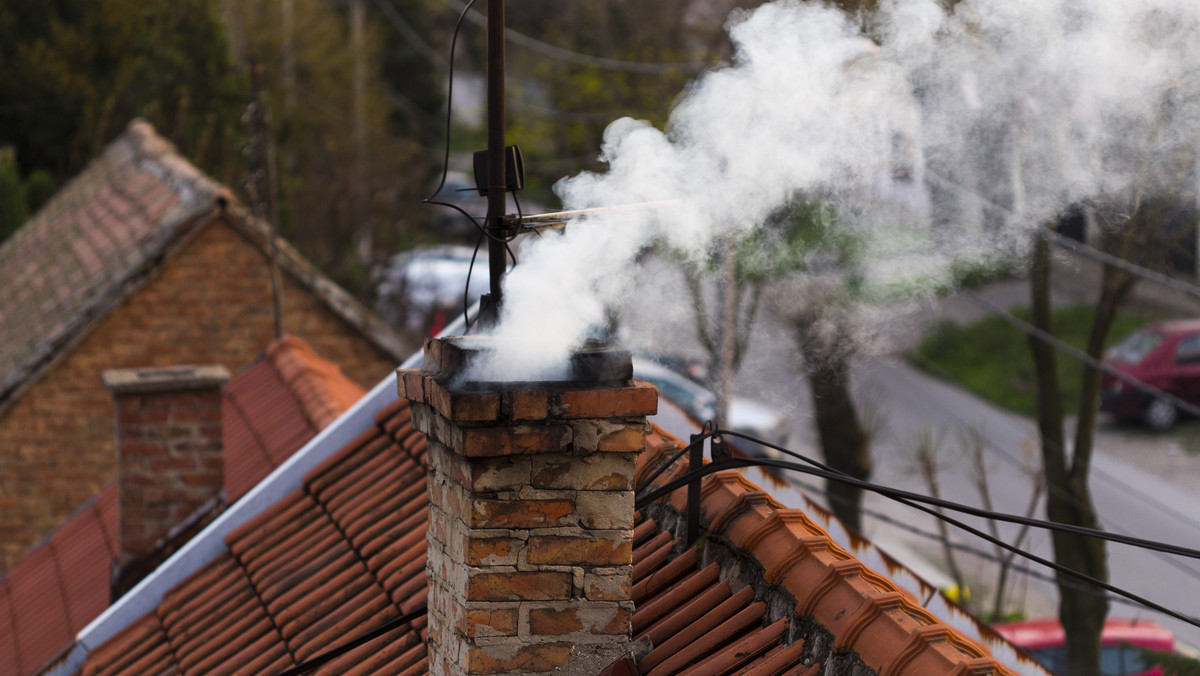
{"points": [[13, 211], [73, 74], [992, 359], [989, 617], [315, 144], [558, 110], [974, 273]]}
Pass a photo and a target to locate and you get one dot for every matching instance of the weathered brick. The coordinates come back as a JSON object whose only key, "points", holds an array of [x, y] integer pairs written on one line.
{"points": [[499, 474], [465, 407], [518, 657], [579, 550], [478, 442], [519, 586], [493, 551], [529, 405], [605, 509], [639, 400], [489, 622], [579, 616], [597, 471], [626, 439], [521, 513], [608, 585]]}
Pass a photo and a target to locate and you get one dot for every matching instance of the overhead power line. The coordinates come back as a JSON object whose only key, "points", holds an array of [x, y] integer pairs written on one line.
{"points": [[915, 501], [1080, 248], [1122, 486], [1079, 354], [965, 548], [561, 54], [410, 35]]}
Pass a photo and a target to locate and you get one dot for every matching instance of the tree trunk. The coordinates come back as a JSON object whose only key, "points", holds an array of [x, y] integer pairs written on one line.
{"points": [[844, 442], [727, 330], [1082, 611]]}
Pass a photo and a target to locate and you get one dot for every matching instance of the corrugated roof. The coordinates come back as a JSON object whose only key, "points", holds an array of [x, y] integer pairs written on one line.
{"points": [[271, 409], [346, 552], [96, 241]]}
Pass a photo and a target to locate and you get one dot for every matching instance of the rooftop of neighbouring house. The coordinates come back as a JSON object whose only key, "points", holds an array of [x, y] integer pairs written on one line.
{"points": [[344, 551], [270, 409], [102, 234]]}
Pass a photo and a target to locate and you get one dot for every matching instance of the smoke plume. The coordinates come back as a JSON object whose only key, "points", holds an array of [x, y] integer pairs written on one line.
{"points": [[946, 134]]}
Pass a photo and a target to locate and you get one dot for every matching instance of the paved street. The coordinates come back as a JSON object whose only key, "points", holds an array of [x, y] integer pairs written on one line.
{"points": [[1141, 482]]}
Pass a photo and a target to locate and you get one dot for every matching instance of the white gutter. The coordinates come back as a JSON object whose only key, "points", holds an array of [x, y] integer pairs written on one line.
{"points": [[210, 543]]}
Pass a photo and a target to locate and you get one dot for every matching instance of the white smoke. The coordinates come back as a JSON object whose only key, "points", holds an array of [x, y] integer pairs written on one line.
{"points": [[1034, 104]]}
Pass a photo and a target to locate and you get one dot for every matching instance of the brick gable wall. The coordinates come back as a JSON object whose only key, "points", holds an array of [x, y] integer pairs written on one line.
{"points": [[209, 303]]}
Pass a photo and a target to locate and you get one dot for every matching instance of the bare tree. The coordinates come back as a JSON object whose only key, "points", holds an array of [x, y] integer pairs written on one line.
{"points": [[973, 442], [925, 446], [1133, 234]]}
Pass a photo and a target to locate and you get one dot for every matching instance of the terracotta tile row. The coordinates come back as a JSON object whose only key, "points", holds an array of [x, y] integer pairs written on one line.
{"points": [[864, 611], [323, 391], [339, 556], [695, 619], [275, 406], [52, 593], [65, 582]]}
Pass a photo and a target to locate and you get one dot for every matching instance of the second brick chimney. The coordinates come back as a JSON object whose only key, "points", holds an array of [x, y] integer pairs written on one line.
{"points": [[531, 513], [169, 462]]}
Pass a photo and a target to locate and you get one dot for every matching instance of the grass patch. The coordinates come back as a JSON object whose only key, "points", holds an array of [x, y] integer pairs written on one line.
{"points": [[991, 358]]}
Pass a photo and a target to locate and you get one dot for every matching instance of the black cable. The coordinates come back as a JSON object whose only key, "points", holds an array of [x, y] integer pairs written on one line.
{"points": [[828, 472], [309, 665], [735, 463], [446, 156], [968, 549], [696, 439], [467, 286], [1078, 354], [1065, 495]]}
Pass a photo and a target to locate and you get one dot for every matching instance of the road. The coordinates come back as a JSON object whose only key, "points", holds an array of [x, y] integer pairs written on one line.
{"points": [[1142, 484]]}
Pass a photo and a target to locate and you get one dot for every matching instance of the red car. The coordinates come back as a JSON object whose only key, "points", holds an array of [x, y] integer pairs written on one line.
{"points": [[1121, 644], [1165, 356]]}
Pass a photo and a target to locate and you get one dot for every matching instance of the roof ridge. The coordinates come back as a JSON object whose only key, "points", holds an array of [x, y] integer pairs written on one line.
{"points": [[337, 299], [323, 391], [148, 145]]}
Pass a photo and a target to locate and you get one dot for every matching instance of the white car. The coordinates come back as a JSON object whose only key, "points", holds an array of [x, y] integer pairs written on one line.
{"points": [[745, 415], [423, 281]]}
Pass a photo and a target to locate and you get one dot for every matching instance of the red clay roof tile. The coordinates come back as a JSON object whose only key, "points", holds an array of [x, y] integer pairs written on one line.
{"points": [[265, 421], [10, 659], [323, 391], [863, 610], [36, 598], [140, 648], [347, 551]]}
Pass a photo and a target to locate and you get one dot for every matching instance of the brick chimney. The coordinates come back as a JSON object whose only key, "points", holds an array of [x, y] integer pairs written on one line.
{"points": [[169, 464], [530, 541]]}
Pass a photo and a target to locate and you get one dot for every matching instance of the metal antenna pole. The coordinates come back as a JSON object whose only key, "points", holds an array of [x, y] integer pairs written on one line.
{"points": [[497, 175]]}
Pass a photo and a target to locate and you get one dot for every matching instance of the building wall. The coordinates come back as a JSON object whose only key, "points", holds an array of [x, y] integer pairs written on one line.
{"points": [[209, 303]]}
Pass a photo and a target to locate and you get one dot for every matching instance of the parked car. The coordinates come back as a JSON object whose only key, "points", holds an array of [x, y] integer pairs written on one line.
{"points": [[422, 289], [1165, 356], [1122, 642], [745, 415]]}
